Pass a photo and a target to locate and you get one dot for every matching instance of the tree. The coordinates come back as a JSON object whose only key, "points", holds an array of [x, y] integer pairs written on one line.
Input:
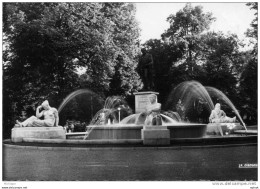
{"points": [[253, 31], [125, 79], [248, 79], [186, 53], [248, 91], [45, 43], [185, 29], [179, 55], [119, 75], [164, 56], [223, 62]]}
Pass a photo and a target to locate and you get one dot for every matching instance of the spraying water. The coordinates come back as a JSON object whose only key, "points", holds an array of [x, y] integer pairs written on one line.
{"points": [[76, 93], [90, 95], [139, 119], [110, 114], [187, 92], [113, 102], [173, 115]]}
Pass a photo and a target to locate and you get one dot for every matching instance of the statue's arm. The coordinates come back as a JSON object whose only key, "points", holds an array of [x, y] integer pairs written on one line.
{"points": [[211, 116], [38, 113], [56, 115]]}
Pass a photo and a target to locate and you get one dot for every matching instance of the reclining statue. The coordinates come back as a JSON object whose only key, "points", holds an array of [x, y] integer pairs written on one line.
{"points": [[153, 112], [51, 117], [219, 116]]}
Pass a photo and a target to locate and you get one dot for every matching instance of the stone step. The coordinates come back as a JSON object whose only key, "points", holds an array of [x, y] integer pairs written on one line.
{"points": [[248, 132]]}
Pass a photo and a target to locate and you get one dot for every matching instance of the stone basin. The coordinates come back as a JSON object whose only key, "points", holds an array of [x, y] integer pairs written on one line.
{"points": [[107, 132], [114, 132], [187, 130], [134, 131]]}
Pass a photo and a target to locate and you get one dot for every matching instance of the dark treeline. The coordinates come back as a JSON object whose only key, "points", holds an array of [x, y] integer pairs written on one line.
{"points": [[45, 44], [188, 51]]}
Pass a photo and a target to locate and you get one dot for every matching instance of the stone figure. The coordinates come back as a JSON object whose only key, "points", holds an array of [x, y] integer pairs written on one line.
{"points": [[146, 70], [153, 112], [219, 116], [50, 114]]}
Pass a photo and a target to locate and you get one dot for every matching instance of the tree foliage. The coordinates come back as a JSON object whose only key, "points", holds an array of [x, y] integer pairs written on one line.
{"points": [[46, 43], [253, 32], [185, 29], [248, 80], [188, 51], [223, 62]]}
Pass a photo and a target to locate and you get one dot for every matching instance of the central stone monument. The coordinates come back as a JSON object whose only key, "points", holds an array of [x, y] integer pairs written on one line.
{"points": [[155, 134], [142, 100]]}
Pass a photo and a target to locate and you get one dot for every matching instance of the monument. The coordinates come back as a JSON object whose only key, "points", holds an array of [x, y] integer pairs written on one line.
{"points": [[35, 127], [152, 133], [146, 69], [142, 100], [148, 125], [220, 123]]}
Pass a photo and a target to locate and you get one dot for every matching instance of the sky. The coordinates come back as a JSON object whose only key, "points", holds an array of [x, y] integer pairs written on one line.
{"points": [[230, 17]]}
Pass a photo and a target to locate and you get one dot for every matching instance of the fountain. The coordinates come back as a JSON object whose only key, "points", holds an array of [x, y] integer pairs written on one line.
{"points": [[106, 123], [192, 93], [132, 126], [115, 121]]}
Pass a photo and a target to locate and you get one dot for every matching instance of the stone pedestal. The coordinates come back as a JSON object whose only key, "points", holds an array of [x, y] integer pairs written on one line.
{"points": [[18, 133], [155, 135], [142, 100]]}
